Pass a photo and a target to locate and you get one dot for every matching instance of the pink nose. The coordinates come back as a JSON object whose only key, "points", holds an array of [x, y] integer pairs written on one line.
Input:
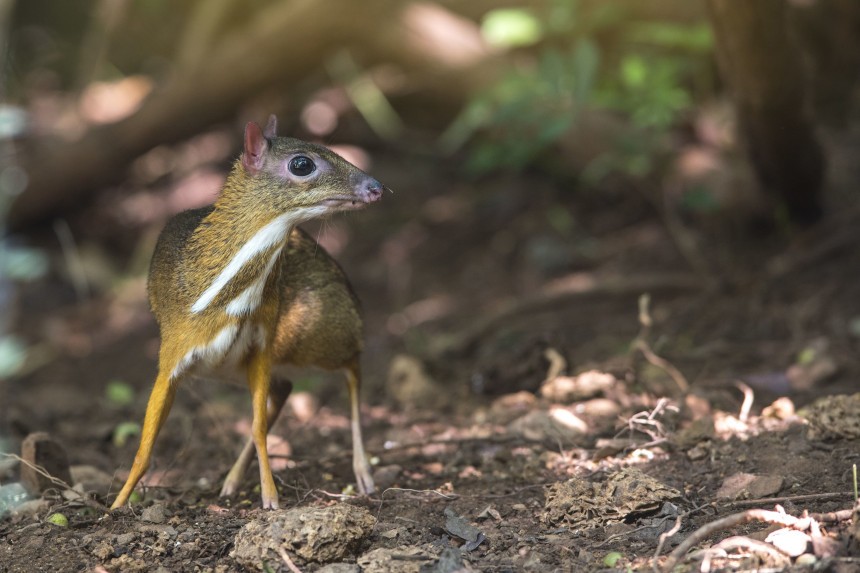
{"points": [[371, 190]]}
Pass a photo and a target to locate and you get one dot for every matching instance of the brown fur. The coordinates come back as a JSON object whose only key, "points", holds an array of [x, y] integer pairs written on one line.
{"points": [[306, 313]]}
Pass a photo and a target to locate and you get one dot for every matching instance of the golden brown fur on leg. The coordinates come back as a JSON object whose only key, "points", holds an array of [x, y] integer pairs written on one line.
{"points": [[160, 401], [279, 391]]}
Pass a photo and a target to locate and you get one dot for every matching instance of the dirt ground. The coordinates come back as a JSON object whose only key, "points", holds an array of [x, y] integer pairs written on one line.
{"points": [[483, 302]]}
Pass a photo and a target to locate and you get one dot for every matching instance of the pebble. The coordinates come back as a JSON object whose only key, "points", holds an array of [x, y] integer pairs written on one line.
{"points": [[154, 514]]}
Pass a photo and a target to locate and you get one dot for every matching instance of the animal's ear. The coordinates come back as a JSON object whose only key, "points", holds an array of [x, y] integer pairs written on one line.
{"points": [[271, 130], [255, 148]]}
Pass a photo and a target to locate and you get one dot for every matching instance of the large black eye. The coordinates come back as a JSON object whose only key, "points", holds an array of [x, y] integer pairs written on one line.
{"points": [[302, 166]]}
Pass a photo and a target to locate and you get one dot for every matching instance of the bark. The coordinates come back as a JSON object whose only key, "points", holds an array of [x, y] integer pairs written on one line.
{"points": [[762, 63]]}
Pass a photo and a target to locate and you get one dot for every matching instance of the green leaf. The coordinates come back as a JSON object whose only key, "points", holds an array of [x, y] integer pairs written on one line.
{"points": [[124, 431], [806, 356], [58, 519], [119, 393], [612, 558], [633, 71], [511, 27]]}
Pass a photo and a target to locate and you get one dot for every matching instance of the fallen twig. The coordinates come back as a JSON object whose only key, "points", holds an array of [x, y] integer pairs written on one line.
{"points": [[663, 537], [641, 344], [286, 557], [791, 498]]}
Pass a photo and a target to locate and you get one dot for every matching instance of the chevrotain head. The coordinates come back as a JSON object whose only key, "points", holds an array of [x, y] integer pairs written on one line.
{"points": [[290, 175]]}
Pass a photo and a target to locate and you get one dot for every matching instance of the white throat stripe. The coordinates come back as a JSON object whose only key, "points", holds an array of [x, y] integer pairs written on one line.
{"points": [[273, 232], [249, 299]]}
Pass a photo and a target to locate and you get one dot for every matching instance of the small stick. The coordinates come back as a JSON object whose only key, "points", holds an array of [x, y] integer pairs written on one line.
{"points": [[833, 516], [744, 414], [791, 498], [290, 565], [854, 470], [663, 537], [642, 346]]}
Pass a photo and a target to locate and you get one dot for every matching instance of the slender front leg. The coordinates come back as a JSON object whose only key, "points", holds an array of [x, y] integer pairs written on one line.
{"points": [[160, 401], [279, 391], [259, 371], [359, 460]]}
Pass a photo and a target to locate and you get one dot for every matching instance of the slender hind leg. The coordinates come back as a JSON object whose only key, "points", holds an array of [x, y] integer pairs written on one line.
{"points": [[160, 401], [279, 391], [259, 375], [359, 460]]}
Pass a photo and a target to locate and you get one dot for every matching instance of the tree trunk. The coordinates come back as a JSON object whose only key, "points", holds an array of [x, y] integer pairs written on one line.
{"points": [[762, 63]]}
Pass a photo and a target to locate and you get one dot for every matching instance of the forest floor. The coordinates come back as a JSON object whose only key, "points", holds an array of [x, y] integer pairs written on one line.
{"points": [[485, 303]]}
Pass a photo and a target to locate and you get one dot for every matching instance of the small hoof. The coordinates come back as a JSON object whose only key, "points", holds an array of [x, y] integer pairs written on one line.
{"points": [[365, 484]]}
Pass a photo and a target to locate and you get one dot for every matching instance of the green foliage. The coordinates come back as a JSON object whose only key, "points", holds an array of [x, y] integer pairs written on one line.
{"points": [[124, 431], [529, 110], [612, 558], [119, 393], [648, 72], [511, 27]]}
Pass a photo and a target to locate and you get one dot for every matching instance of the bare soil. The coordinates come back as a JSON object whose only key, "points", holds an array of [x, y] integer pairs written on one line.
{"points": [[497, 289]]}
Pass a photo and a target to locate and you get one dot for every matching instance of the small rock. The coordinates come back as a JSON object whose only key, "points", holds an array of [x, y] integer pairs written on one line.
{"points": [[164, 532], [340, 568], [125, 539], [764, 486], [701, 430], [450, 561], [385, 476], [559, 425], [401, 559], [781, 409], [32, 507], [103, 550], [789, 541], [315, 534], [410, 385], [509, 407], [749, 486], [41, 450], [567, 389], [154, 514]]}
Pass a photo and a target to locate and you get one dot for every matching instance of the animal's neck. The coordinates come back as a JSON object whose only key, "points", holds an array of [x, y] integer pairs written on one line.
{"points": [[238, 247]]}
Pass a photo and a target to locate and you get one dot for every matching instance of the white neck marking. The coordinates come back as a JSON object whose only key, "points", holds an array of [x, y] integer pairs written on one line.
{"points": [[249, 299], [271, 234]]}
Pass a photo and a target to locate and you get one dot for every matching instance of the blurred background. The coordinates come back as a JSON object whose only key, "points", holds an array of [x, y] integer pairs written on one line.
{"points": [[551, 161]]}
